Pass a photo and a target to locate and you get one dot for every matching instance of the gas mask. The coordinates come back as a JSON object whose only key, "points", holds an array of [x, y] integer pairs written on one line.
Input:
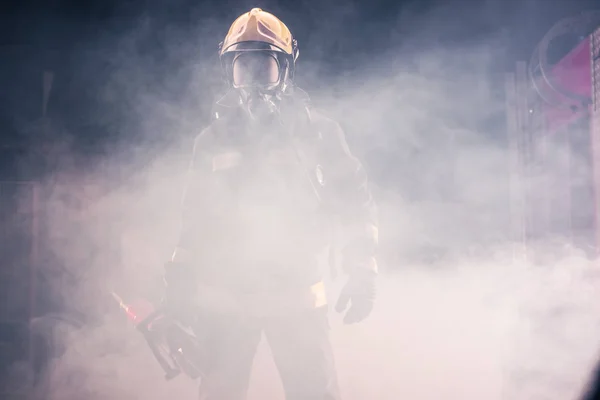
{"points": [[259, 78]]}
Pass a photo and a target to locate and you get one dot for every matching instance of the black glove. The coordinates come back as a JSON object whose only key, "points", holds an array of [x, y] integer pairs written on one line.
{"points": [[359, 291], [180, 291]]}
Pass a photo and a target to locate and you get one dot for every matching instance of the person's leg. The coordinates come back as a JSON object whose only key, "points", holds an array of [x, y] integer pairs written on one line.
{"points": [[302, 352], [231, 343]]}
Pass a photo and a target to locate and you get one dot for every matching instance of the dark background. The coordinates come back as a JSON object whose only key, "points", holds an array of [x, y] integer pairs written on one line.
{"points": [[80, 42]]}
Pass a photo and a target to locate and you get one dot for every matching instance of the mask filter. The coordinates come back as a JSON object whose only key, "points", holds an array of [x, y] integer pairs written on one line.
{"points": [[258, 104]]}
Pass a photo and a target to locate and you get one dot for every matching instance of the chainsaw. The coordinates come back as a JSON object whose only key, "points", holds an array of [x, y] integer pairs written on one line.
{"points": [[175, 346]]}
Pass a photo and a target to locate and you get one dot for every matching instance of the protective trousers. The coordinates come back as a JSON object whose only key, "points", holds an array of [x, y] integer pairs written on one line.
{"points": [[300, 346]]}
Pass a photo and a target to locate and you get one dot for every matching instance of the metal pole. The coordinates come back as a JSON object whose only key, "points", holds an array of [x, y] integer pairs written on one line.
{"points": [[515, 178], [595, 128], [523, 137]]}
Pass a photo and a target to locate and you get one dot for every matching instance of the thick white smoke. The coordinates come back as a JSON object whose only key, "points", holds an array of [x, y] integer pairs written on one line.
{"points": [[460, 313]]}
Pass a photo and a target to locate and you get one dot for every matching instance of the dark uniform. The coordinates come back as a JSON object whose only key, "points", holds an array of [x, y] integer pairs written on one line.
{"points": [[258, 210]]}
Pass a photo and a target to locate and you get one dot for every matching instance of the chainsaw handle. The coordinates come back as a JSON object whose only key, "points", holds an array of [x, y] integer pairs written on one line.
{"points": [[144, 327]]}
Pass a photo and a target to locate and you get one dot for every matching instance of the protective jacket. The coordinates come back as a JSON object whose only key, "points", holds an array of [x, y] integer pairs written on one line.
{"points": [[261, 198]]}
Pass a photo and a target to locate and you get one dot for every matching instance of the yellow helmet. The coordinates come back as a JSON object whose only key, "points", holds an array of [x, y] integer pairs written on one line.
{"points": [[259, 26], [258, 30]]}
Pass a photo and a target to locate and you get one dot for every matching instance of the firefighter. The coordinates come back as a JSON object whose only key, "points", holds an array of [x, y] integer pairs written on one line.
{"points": [[268, 177]]}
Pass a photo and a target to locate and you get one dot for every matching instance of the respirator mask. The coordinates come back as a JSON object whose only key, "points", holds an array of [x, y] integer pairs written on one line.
{"points": [[257, 76]]}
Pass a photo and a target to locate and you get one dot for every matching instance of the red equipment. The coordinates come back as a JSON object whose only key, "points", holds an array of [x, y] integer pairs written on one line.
{"points": [[175, 347]]}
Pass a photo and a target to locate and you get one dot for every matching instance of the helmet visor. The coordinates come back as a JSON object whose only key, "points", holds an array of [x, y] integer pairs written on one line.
{"points": [[255, 68]]}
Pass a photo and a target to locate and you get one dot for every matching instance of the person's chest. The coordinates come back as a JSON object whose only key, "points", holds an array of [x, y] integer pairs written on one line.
{"points": [[266, 172]]}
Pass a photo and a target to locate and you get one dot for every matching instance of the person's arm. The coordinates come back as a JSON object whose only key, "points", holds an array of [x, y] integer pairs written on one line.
{"points": [[198, 199], [351, 200], [196, 222]]}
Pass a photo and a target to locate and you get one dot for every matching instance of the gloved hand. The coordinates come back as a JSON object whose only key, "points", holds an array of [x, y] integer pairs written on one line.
{"points": [[180, 291], [359, 292]]}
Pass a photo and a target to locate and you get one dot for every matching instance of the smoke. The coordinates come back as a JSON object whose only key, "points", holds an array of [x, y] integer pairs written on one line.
{"points": [[460, 314]]}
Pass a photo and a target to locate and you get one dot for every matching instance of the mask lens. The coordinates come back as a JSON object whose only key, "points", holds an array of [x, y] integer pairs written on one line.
{"points": [[255, 69]]}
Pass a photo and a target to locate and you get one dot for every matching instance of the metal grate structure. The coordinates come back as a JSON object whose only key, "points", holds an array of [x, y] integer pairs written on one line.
{"points": [[553, 121]]}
